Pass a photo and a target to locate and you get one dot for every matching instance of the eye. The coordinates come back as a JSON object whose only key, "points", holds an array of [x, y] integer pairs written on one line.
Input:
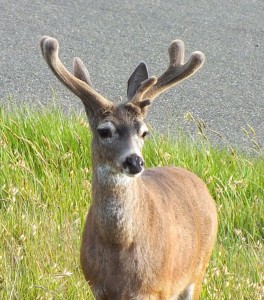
{"points": [[144, 134], [105, 133]]}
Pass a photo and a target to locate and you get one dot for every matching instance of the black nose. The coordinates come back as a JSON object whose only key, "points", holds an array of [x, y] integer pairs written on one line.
{"points": [[134, 163]]}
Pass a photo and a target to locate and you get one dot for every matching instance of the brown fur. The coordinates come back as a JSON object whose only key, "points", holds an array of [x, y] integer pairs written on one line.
{"points": [[148, 235], [168, 246]]}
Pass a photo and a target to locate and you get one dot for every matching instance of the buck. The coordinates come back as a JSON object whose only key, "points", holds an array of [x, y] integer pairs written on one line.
{"points": [[149, 233]]}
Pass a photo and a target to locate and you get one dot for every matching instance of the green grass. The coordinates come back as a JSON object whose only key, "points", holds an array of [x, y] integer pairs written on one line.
{"points": [[45, 173]]}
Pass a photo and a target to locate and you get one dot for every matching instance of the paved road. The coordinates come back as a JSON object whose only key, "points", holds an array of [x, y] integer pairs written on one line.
{"points": [[113, 36]]}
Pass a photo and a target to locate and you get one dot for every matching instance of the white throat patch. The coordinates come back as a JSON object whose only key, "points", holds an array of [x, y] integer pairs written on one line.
{"points": [[107, 175]]}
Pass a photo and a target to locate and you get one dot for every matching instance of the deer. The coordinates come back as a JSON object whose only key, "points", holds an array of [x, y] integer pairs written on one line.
{"points": [[149, 232]]}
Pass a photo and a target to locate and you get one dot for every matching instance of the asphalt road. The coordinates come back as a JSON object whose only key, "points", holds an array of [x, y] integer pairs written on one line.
{"points": [[113, 36]]}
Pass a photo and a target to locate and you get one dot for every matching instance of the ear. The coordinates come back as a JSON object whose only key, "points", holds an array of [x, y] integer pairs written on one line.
{"points": [[81, 72], [138, 76]]}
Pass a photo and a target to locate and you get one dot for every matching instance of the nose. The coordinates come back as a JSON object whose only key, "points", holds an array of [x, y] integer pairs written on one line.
{"points": [[134, 164]]}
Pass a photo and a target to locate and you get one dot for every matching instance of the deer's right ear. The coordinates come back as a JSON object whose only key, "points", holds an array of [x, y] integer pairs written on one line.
{"points": [[81, 72], [138, 76]]}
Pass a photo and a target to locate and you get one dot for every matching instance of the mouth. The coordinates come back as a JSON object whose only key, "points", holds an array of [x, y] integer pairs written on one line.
{"points": [[132, 173]]}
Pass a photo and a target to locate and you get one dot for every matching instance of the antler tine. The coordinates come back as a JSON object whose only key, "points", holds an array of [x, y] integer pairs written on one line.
{"points": [[177, 70], [176, 53], [50, 49]]}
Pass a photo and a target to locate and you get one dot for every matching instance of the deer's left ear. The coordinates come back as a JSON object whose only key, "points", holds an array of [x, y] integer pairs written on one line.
{"points": [[138, 76]]}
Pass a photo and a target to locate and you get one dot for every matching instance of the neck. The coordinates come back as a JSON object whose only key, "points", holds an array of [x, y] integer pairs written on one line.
{"points": [[115, 203], [106, 177]]}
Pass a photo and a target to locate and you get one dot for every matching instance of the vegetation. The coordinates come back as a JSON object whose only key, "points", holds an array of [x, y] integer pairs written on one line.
{"points": [[45, 183]]}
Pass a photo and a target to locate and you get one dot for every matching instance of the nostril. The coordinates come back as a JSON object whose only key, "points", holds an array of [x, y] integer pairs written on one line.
{"points": [[141, 162], [130, 161]]}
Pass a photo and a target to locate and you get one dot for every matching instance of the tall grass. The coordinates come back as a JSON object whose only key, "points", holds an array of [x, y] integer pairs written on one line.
{"points": [[45, 175]]}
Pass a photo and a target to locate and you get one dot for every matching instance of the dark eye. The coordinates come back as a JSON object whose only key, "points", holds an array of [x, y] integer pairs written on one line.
{"points": [[144, 134], [105, 133]]}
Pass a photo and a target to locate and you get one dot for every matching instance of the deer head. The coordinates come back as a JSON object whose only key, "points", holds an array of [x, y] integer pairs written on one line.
{"points": [[119, 130]]}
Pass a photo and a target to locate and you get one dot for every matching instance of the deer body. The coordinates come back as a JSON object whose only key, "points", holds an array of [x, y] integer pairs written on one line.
{"points": [[145, 253], [149, 233]]}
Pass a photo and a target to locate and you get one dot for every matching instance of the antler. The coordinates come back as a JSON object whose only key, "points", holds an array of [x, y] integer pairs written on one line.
{"points": [[176, 72], [79, 84]]}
